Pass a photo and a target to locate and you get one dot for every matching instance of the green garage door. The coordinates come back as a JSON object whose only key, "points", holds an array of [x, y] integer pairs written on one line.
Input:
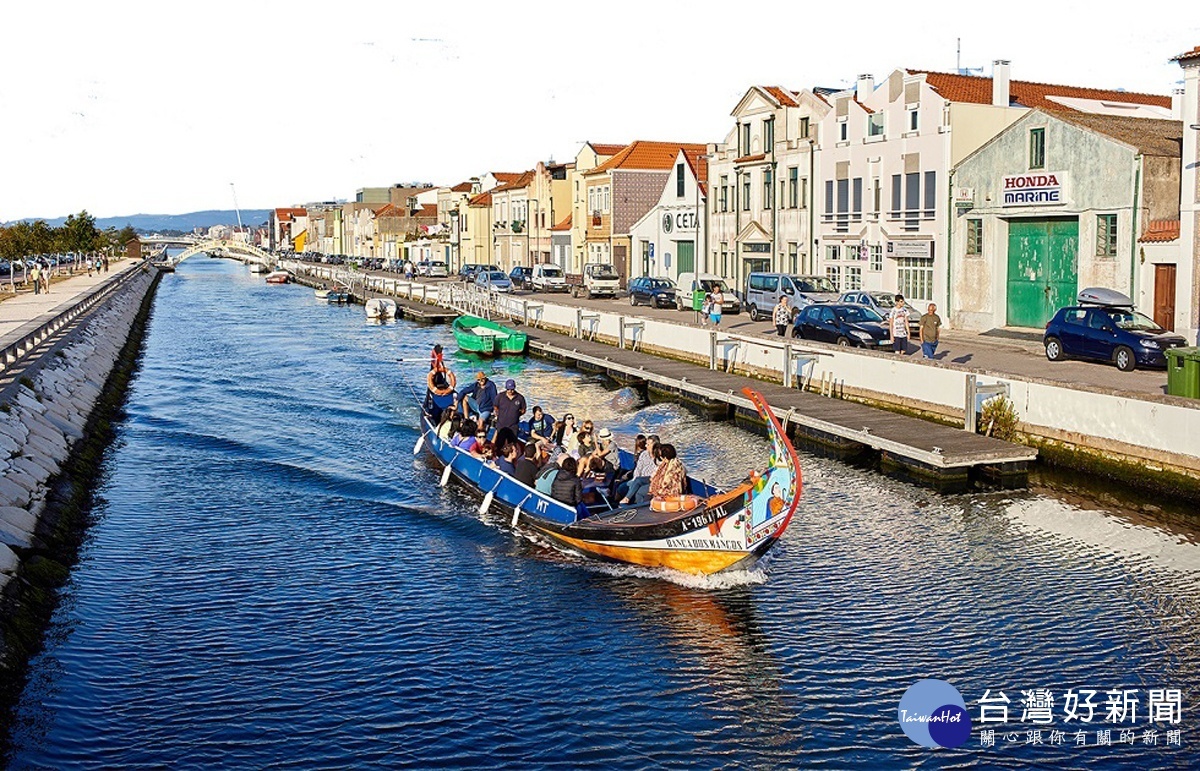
{"points": [[685, 252], [1042, 270]]}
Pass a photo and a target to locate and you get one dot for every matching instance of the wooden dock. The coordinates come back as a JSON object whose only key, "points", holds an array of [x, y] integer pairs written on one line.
{"points": [[941, 456]]}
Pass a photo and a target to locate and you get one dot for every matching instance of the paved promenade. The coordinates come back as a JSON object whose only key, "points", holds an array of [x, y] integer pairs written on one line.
{"points": [[16, 311]]}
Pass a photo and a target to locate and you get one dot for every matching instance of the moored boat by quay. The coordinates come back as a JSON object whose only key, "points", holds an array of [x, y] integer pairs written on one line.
{"points": [[278, 277], [487, 338], [707, 531], [381, 308]]}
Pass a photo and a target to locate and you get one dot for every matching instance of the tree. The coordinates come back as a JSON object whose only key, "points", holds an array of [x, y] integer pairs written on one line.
{"points": [[78, 234]]}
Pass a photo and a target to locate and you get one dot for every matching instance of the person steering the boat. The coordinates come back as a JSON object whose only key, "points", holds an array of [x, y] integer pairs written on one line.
{"points": [[480, 398], [440, 384]]}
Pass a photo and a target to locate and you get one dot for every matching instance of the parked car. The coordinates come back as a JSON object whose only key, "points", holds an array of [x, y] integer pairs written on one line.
{"points": [[423, 268], [598, 279], [520, 276], [647, 290], [438, 269], [763, 291], [883, 303], [548, 278], [842, 324], [1105, 327], [468, 270], [493, 281], [705, 282]]}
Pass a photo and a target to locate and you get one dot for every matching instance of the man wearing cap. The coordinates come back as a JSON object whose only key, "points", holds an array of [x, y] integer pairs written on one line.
{"points": [[510, 406], [478, 397]]}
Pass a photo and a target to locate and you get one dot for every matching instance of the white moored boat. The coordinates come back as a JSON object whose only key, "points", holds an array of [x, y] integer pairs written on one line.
{"points": [[381, 308]]}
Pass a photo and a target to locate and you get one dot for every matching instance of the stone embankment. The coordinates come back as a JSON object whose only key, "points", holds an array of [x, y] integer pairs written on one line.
{"points": [[44, 420]]}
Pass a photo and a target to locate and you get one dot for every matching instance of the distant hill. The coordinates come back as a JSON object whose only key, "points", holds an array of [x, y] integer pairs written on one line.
{"points": [[153, 223]]}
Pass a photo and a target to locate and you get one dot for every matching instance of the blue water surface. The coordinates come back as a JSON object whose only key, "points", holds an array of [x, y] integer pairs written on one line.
{"points": [[274, 580]]}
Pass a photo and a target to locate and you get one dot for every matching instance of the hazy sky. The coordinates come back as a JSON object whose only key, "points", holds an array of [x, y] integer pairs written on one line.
{"points": [[125, 107]]}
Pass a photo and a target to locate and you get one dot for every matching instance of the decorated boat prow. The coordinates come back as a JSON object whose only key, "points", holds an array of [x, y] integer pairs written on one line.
{"points": [[702, 532]]}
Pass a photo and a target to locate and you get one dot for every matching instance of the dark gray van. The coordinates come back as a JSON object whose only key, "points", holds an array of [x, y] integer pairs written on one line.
{"points": [[763, 291]]}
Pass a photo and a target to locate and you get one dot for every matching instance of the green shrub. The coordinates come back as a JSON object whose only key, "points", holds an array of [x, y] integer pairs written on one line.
{"points": [[999, 418]]}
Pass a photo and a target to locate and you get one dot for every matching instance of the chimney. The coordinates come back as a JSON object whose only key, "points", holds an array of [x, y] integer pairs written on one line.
{"points": [[866, 84], [1000, 95], [1177, 103]]}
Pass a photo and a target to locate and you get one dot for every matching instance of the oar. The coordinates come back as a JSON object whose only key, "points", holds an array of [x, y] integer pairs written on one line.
{"points": [[446, 474], [517, 510], [420, 443], [487, 499]]}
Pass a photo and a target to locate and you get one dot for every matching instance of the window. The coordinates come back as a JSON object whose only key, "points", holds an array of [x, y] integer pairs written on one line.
{"points": [[876, 196], [804, 192], [793, 186], [1037, 148], [875, 124], [896, 196], [912, 201], [724, 192], [913, 120], [745, 192], [804, 128], [828, 200], [856, 199], [834, 274], [745, 140], [853, 277], [769, 135], [768, 190], [876, 257], [843, 205], [930, 195], [974, 238], [606, 198], [679, 180], [793, 250], [915, 278], [833, 252], [843, 131], [1106, 235]]}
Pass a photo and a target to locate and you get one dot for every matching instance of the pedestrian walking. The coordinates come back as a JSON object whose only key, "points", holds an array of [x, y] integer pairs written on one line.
{"points": [[782, 315], [929, 331], [35, 273], [89, 265], [716, 307], [898, 326], [105, 263]]}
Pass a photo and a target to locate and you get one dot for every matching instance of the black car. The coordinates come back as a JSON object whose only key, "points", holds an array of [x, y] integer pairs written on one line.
{"points": [[645, 290], [1115, 333], [519, 276], [843, 324]]}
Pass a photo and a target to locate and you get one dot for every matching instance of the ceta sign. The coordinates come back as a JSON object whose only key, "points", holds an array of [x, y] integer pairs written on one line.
{"points": [[1033, 189], [679, 221]]}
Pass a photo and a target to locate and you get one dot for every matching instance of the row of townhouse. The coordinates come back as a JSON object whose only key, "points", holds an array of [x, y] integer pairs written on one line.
{"points": [[997, 199]]}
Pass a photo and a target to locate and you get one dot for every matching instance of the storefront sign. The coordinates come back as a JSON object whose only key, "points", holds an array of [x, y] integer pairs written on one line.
{"points": [[1033, 189], [682, 221], [910, 249], [964, 197]]}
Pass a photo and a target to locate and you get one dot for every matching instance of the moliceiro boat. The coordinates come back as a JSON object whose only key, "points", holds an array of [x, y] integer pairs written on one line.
{"points": [[706, 532], [486, 337]]}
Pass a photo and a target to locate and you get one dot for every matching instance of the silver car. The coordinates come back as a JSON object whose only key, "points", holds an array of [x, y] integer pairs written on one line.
{"points": [[493, 281], [882, 303]]}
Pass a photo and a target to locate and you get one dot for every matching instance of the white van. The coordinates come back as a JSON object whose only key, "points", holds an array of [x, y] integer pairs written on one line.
{"points": [[687, 283], [547, 278], [763, 291]]}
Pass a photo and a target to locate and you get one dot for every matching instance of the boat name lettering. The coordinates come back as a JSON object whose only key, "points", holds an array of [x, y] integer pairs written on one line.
{"points": [[703, 543]]}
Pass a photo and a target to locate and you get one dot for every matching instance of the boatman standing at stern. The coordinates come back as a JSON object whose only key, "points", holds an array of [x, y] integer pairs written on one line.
{"points": [[510, 406], [480, 398]]}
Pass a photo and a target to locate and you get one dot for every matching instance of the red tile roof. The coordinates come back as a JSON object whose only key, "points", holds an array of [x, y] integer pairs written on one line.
{"points": [[607, 149], [564, 225], [978, 90], [653, 156], [390, 210], [461, 187], [507, 176], [483, 199], [427, 210], [751, 158], [1159, 231], [781, 96], [286, 215], [699, 164], [519, 181], [1192, 54]]}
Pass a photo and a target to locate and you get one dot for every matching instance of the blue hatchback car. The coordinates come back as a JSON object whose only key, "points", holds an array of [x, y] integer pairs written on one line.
{"points": [[1108, 332]]}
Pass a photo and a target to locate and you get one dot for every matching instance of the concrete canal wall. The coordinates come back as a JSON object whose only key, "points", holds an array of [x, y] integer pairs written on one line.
{"points": [[1153, 434], [49, 404]]}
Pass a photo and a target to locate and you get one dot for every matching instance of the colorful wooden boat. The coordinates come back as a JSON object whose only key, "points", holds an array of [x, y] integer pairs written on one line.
{"points": [[487, 338], [727, 530]]}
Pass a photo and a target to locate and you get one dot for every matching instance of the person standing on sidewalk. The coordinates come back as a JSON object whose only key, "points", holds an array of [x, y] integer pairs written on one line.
{"points": [[781, 315], [929, 332], [717, 307], [898, 326], [35, 273]]}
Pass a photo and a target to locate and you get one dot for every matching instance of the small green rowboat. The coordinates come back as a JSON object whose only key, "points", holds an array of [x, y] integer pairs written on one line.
{"points": [[487, 338]]}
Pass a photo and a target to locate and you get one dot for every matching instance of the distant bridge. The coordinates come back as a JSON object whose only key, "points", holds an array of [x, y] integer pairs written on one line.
{"points": [[243, 251]]}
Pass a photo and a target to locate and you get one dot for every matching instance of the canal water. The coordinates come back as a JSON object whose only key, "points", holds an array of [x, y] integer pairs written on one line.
{"points": [[274, 580]]}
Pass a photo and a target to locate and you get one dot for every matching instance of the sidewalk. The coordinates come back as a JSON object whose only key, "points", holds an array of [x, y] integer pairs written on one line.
{"points": [[18, 310]]}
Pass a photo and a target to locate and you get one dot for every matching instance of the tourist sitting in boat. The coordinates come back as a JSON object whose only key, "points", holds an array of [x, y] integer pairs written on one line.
{"points": [[484, 449], [448, 423], [565, 435], [467, 433], [540, 425], [506, 436], [669, 478], [567, 487], [480, 398], [606, 450], [506, 460], [647, 463], [526, 467], [585, 445]]}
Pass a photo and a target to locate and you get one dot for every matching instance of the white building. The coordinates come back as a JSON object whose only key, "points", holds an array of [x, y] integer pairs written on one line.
{"points": [[1189, 207], [675, 224]]}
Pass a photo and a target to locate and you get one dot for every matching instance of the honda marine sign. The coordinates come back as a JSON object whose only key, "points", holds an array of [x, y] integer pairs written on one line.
{"points": [[1034, 189]]}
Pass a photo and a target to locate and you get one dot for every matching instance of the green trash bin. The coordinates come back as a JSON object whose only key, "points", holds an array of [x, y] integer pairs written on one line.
{"points": [[1183, 372], [698, 299]]}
